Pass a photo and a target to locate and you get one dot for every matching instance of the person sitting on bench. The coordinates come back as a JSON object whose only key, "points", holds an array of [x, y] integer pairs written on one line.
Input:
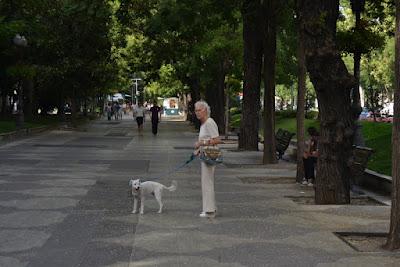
{"points": [[310, 157]]}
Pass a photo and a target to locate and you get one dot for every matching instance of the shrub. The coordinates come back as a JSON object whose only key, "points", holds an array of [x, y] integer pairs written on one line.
{"points": [[286, 113], [312, 115]]}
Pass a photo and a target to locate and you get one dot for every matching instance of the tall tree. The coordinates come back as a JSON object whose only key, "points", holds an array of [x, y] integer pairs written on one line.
{"points": [[332, 83], [393, 241], [269, 49], [301, 95], [357, 6], [253, 27]]}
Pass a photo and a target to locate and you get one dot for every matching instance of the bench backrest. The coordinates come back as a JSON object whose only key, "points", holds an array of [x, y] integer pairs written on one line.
{"points": [[359, 160], [282, 138]]}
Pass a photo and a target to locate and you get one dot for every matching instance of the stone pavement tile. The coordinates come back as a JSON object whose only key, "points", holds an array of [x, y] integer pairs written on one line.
{"points": [[10, 186], [54, 192], [8, 261], [328, 222], [389, 260], [6, 195], [40, 203], [21, 240], [104, 254], [179, 260], [24, 219], [256, 229], [323, 241], [60, 257], [264, 254]]}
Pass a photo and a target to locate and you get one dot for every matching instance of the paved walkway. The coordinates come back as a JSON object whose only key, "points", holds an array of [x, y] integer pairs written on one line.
{"points": [[64, 202]]}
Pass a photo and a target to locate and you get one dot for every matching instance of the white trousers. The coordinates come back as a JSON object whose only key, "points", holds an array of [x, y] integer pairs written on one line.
{"points": [[207, 187]]}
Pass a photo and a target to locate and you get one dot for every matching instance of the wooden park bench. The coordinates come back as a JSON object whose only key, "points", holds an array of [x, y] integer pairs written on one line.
{"points": [[282, 139], [358, 162]]}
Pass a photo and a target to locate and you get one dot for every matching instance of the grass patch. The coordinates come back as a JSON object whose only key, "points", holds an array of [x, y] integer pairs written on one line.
{"points": [[8, 125], [378, 136], [290, 124]]}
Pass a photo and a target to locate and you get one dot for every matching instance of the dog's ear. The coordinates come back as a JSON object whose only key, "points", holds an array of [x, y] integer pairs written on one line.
{"points": [[130, 182]]}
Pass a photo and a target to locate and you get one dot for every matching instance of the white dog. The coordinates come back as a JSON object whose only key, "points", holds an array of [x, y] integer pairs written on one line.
{"points": [[139, 190]]}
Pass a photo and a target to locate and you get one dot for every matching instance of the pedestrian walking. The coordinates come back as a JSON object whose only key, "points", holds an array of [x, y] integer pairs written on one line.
{"points": [[208, 136], [108, 110], [155, 117], [139, 112]]}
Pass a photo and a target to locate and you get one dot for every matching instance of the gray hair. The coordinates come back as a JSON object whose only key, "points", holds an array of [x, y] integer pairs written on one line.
{"points": [[203, 104]]}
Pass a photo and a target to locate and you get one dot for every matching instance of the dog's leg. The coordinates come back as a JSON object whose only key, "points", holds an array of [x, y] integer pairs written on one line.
{"points": [[134, 204], [158, 196], [142, 204]]}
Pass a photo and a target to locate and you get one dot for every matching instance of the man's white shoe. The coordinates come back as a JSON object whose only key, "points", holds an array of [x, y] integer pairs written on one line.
{"points": [[207, 215]]}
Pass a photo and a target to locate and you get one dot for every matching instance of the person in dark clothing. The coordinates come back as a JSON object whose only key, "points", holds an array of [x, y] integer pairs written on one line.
{"points": [[155, 117], [310, 157]]}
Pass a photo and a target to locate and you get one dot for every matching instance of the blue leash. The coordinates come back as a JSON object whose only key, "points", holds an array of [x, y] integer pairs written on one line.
{"points": [[192, 157]]}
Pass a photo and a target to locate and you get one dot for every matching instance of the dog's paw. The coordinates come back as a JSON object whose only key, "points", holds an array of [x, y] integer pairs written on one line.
{"points": [[159, 211], [141, 213], [134, 211]]}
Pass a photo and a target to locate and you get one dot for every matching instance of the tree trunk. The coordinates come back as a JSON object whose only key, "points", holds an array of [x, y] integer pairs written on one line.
{"points": [[269, 155], [28, 105], [393, 241], [301, 97], [253, 42], [333, 84], [226, 112], [195, 96], [20, 106], [357, 60], [216, 100], [358, 137], [4, 103]]}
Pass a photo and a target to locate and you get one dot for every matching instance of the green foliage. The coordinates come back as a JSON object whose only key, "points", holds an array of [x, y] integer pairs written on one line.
{"points": [[363, 40], [286, 46], [235, 120], [167, 85], [285, 114], [21, 71], [192, 36], [311, 114], [68, 52], [377, 75]]}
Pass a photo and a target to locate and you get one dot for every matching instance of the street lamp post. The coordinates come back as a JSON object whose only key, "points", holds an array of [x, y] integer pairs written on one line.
{"points": [[136, 87], [20, 42]]}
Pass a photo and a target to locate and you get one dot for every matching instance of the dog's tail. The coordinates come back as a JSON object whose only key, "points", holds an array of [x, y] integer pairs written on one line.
{"points": [[173, 186]]}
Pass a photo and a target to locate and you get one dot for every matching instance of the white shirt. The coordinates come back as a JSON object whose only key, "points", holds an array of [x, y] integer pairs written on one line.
{"points": [[139, 111], [208, 130]]}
